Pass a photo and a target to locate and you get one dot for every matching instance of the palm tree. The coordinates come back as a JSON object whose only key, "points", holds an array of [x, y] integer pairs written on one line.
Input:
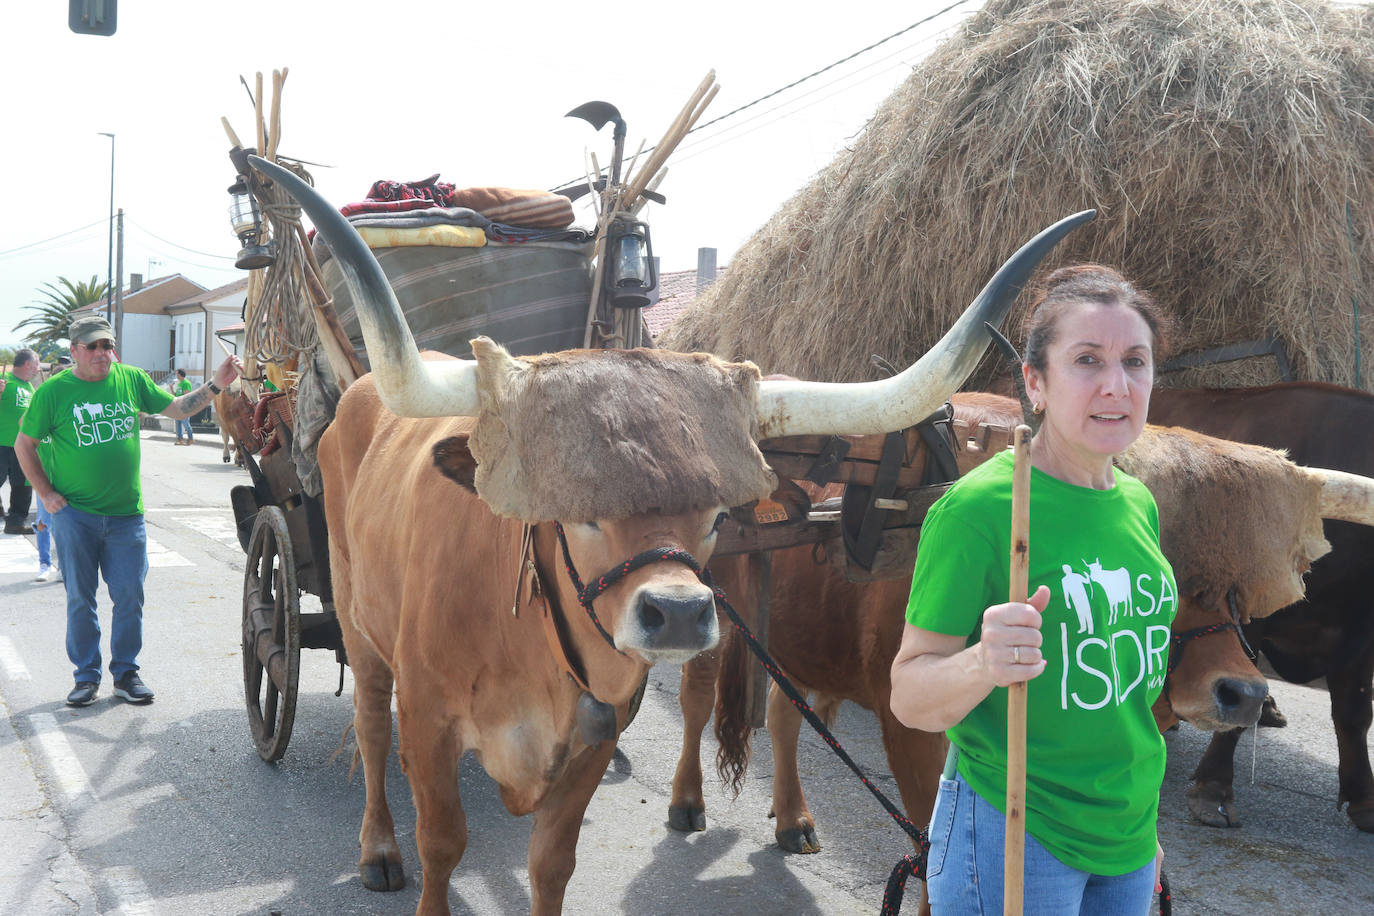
{"points": [[53, 314]]}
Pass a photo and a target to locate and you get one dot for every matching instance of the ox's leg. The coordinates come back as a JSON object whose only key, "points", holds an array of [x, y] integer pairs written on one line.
{"points": [[1211, 797], [379, 862], [687, 809], [224, 438], [430, 753], [557, 823], [795, 829], [1351, 714]]}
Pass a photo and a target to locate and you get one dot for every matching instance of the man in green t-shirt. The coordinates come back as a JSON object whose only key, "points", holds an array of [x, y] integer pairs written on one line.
{"points": [[15, 392], [88, 478], [183, 386]]}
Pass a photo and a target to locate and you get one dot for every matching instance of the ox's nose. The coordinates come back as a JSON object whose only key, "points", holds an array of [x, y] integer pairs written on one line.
{"points": [[1239, 700], [677, 619]]}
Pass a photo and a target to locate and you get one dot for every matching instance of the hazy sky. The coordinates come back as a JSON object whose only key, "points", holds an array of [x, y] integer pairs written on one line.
{"points": [[407, 88]]}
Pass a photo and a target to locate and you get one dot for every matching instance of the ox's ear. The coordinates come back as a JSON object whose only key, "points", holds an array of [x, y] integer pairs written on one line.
{"points": [[454, 461]]}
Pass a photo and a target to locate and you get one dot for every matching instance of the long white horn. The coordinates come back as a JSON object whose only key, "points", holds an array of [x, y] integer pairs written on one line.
{"points": [[1347, 497], [408, 386], [796, 408]]}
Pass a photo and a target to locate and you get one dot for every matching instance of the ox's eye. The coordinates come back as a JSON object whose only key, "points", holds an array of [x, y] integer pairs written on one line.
{"points": [[588, 526], [720, 520]]}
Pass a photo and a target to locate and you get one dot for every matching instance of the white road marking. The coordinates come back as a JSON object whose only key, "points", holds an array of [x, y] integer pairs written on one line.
{"points": [[130, 893], [217, 526], [18, 554], [161, 556], [66, 768], [15, 669]]}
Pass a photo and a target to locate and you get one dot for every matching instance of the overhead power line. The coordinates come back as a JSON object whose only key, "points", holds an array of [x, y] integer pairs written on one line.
{"points": [[60, 235], [809, 76]]}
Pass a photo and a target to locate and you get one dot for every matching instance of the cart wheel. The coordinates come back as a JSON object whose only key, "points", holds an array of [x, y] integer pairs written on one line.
{"points": [[271, 634]]}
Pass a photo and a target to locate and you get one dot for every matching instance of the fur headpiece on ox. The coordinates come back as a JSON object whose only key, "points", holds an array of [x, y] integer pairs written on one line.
{"points": [[576, 436], [1238, 516]]}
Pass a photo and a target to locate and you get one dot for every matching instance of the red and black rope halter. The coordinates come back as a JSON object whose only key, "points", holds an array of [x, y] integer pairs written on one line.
{"points": [[913, 864]]}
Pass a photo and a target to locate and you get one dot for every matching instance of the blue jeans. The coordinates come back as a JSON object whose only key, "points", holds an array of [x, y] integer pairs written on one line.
{"points": [[964, 868], [87, 546], [43, 534], [186, 426]]}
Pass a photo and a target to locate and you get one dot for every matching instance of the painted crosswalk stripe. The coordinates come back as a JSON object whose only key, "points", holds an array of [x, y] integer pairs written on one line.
{"points": [[159, 556], [15, 669], [18, 554], [129, 891], [66, 768], [218, 526]]}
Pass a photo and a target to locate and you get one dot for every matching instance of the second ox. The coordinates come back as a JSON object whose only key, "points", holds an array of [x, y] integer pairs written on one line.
{"points": [[1240, 525]]}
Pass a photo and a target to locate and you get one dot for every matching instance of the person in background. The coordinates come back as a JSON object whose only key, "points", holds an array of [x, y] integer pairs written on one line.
{"points": [[1094, 756], [16, 389], [183, 386], [88, 479]]}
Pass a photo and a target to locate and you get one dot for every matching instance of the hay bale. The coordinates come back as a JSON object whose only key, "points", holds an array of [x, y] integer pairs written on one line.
{"points": [[1228, 145]]}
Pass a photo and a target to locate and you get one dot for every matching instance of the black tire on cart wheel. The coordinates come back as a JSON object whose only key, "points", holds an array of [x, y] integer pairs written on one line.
{"points": [[271, 634]]}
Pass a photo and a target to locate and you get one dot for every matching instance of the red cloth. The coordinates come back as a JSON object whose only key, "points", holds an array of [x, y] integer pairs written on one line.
{"points": [[386, 206]]}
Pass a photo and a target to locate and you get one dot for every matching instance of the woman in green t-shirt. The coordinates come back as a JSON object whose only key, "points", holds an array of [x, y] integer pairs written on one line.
{"points": [[1092, 641]]}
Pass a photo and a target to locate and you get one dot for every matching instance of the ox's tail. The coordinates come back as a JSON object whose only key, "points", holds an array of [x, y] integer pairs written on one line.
{"points": [[733, 729]]}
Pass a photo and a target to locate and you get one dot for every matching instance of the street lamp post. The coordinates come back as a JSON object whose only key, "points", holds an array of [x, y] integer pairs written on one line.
{"points": [[109, 281]]}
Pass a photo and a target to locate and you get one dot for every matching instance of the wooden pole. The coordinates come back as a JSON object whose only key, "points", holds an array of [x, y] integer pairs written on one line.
{"points": [[1014, 873]]}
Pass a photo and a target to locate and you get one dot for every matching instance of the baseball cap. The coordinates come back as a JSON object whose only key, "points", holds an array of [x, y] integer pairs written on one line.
{"points": [[90, 329]]}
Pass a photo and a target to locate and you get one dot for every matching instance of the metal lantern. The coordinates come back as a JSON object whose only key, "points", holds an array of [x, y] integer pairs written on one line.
{"points": [[246, 220], [630, 277]]}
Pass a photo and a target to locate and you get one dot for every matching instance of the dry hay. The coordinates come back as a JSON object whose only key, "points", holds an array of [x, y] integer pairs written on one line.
{"points": [[1222, 141]]}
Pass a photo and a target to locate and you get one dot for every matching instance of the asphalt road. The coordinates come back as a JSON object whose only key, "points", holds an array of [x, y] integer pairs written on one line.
{"points": [[166, 809]]}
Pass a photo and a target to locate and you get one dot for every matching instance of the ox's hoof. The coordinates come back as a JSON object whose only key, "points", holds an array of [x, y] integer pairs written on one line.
{"points": [[386, 875], [225, 459], [1271, 716], [686, 820], [800, 839], [1362, 815], [1213, 805]]}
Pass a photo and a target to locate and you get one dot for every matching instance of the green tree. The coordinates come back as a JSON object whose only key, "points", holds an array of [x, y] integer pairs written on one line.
{"points": [[52, 315]]}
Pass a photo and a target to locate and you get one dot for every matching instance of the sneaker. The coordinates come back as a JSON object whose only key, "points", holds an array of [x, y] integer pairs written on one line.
{"points": [[20, 528], [83, 694], [45, 574], [131, 687]]}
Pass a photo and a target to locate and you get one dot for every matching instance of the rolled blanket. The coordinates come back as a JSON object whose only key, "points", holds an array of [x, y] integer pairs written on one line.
{"points": [[511, 235], [433, 236], [533, 209]]}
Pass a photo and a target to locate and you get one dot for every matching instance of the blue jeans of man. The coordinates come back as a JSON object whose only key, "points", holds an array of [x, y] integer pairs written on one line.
{"points": [[184, 430], [89, 546], [966, 861]]}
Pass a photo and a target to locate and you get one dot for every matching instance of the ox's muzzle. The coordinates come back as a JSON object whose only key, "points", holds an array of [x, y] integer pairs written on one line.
{"points": [[672, 620]]}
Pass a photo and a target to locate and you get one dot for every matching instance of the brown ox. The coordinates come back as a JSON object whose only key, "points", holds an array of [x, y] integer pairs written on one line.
{"points": [[1331, 632], [440, 481], [1235, 520], [227, 404]]}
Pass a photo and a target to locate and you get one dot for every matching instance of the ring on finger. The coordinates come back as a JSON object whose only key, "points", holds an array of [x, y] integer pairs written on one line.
{"points": [[1016, 655]]}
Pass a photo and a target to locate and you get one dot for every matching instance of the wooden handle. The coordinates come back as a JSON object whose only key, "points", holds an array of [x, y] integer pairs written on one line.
{"points": [[1013, 876]]}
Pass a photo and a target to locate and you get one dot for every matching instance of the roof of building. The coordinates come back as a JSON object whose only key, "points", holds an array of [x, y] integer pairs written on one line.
{"points": [[153, 296], [677, 289]]}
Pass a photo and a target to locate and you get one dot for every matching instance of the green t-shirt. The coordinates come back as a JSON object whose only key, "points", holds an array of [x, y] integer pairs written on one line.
{"points": [[183, 386], [94, 455], [1094, 756], [13, 403]]}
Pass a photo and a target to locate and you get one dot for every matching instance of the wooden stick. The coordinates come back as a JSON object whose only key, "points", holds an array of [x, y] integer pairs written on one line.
{"points": [[670, 140], [1014, 873], [257, 112], [274, 137]]}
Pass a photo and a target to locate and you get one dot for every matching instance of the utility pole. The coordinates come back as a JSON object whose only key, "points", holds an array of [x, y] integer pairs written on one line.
{"points": [[119, 290], [109, 275]]}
